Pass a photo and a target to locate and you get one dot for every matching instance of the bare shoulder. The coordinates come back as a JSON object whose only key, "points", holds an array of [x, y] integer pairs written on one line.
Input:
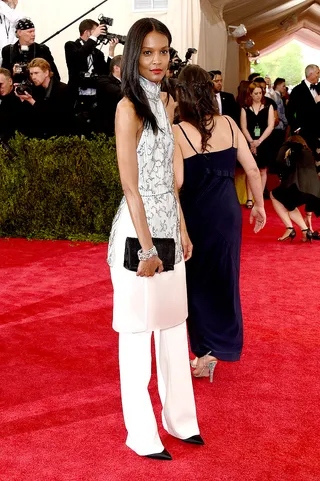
{"points": [[226, 124], [125, 108], [176, 132], [126, 120]]}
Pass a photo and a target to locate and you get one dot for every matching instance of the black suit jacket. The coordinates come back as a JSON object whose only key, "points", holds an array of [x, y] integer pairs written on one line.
{"points": [[229, 106], [11, 55], [11, 116], [77, 61], [303, 112], [108, 95], [52, 113]]}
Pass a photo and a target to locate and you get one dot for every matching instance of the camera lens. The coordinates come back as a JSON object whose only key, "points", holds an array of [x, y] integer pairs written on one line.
{"points": [[20, 89]]}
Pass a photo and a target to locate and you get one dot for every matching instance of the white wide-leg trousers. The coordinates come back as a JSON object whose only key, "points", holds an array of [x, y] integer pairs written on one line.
{"points": [[174, 383]]}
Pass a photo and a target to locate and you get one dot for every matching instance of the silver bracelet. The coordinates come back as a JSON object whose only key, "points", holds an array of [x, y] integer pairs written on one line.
{"points": [[144, 256]]}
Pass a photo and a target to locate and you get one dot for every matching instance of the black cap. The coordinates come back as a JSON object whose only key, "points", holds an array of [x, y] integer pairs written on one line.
{"points": [[24, 24]]}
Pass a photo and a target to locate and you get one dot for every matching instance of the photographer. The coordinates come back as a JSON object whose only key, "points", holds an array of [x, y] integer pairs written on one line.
{"points": [[9, 15], [17, 56], [49, 102], [85, 62], [10, 107], [108, 95]]}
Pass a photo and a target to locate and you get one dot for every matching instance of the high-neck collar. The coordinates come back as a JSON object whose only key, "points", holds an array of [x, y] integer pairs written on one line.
{"points": [[151, 89]]}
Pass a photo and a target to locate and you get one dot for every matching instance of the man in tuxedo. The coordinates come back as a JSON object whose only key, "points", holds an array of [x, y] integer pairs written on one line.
{"points": [[17, 56], [226, 101], [303, 108], [108, 95]]}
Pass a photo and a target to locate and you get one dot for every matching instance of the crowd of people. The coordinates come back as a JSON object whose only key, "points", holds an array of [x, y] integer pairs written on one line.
{"points": [[174, 250], [30, 85], [283, 134]]}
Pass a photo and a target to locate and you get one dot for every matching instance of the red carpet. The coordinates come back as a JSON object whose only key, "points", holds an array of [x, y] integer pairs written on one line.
{"points": [[60, 406]]}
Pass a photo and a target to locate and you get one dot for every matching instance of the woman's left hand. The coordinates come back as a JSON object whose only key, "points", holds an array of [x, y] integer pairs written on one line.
{"points": [[186, 245], [259, 214]]}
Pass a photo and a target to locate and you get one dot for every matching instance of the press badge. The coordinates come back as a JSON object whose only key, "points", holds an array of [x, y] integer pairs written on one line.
{"points": [[257, 131]]}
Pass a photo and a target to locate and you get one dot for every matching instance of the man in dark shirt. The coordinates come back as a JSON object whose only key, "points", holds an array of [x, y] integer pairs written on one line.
{"points": [[85, 64], [84, 61], [50, 106], [17, 56], [10, 107], [108, 95]]}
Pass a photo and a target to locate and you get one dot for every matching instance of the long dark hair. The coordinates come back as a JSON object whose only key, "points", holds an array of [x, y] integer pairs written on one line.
{"points": [[131, 87], [197, 102]]}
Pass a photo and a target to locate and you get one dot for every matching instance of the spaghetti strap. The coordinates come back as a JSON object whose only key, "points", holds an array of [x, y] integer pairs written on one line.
{"points": [[231, 130], [182, 130]]}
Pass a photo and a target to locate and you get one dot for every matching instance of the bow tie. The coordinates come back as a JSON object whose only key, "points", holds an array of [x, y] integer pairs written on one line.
{"points": [[313, 87]]}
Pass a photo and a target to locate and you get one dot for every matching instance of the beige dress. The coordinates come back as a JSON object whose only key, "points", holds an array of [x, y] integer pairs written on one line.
{"points": [[147, 304]]}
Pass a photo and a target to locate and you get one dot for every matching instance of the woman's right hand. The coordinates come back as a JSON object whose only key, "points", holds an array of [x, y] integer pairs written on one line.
{"points": [[149, 267], [259, 214]]}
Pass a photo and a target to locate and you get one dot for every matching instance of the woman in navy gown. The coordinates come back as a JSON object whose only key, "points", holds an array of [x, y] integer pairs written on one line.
{"points": [[206, 150]]}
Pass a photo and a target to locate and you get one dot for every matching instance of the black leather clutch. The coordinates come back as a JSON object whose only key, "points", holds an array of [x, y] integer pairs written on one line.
{"points": [[166, 251]]}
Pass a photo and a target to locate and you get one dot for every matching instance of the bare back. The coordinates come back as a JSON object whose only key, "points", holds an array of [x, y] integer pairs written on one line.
{"points": [[221, 137]]}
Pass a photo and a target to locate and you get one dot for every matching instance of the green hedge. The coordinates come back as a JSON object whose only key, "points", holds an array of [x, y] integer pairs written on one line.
{"points": [[61, 188]]}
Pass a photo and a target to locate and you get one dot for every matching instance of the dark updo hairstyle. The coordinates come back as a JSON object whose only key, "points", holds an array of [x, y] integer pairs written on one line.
{"points": [[197, 101], [131, 87]]}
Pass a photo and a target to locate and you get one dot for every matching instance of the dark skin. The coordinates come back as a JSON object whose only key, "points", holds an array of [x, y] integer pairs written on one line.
{"points": [[153, 63]]}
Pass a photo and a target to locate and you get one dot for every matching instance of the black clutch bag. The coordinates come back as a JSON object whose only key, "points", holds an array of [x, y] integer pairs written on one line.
{"points": [[166, 251]]}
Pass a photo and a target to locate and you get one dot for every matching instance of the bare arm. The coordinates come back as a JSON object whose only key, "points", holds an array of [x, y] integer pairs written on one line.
{"points": [[251, 169], [178, 158], [185, 239], [244, 126], [178, 181], [270, 127], [127, 126]]}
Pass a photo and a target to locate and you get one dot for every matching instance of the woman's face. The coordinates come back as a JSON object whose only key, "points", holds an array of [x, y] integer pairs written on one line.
{"points": [[154, 57], [257, 94]]}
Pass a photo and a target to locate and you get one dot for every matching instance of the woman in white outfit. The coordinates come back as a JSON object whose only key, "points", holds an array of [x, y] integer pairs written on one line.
{"points": [[150, 300]]}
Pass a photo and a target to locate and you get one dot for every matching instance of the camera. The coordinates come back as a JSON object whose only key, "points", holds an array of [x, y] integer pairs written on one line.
{"points": [[21, 68], [176, 64], [88, 80], [21, 72], [108, 22], [24, 86]]}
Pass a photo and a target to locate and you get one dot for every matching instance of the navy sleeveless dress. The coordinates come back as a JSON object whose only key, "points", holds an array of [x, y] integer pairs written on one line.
{"points": [[214, 222]]}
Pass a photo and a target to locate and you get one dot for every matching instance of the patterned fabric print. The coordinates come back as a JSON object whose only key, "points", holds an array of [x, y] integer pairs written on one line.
{"points": [[156, 178]]}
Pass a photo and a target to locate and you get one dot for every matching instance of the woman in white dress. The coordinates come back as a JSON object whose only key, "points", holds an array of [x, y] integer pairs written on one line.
{"points": [[150, 300]]}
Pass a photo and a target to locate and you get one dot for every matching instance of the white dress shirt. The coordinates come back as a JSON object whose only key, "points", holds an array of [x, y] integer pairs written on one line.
{"points": [[218, 97], [8, 19], [312, 91]]}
